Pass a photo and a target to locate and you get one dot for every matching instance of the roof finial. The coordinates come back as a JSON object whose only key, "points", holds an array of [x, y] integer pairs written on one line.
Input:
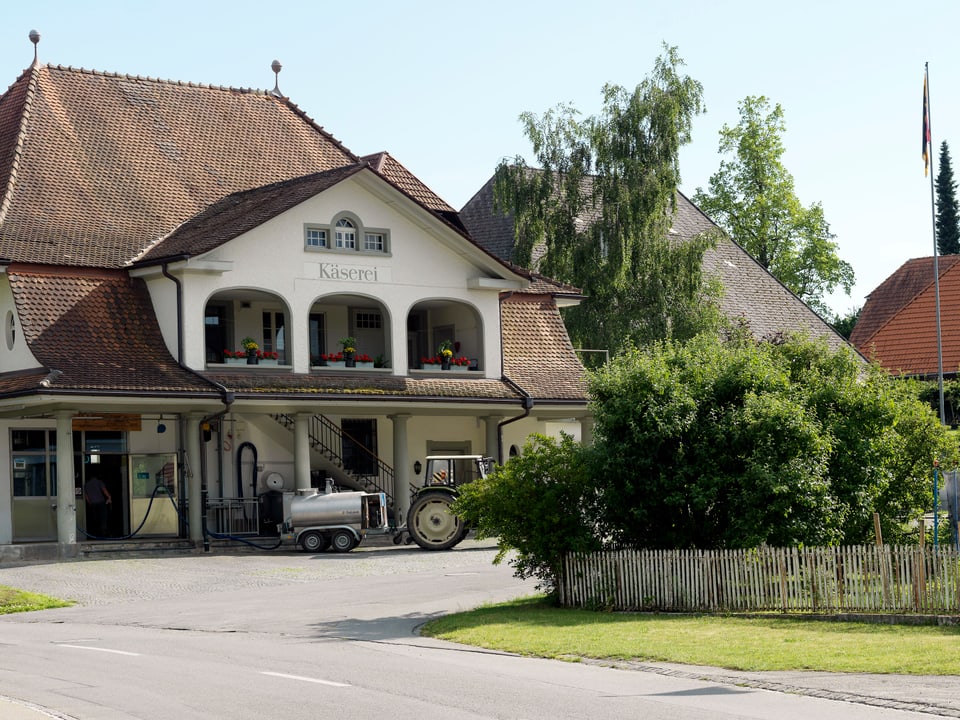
{"points": [[276, 67], [34, 38]]}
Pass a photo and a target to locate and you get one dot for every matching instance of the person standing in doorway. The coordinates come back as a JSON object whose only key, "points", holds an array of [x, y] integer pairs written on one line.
{"points": [[98, 503]]}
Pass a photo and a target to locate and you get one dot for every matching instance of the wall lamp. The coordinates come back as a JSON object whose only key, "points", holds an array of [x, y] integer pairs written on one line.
{"points": [[417, 467]]}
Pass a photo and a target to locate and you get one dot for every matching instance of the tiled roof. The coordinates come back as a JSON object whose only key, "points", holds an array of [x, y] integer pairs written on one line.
{"points": [[489, 228], [895, 293], [751, 294], [542, 285], [96, 330], [381, 387], [388, 166], [537, 354], [241, 212], [128, 159], [906, 339]]}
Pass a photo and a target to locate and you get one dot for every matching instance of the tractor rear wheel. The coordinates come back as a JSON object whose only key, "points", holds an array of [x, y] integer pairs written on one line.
{"points": [[431, 523]]}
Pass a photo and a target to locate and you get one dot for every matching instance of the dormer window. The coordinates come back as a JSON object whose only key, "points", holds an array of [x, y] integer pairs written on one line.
{"points": [[348, 234]]}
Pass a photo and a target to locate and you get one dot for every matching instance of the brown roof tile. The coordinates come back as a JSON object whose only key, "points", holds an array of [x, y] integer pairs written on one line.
{"points": [[537, 354], [98, 330], [241, 212], [130, 158], [388, 166]]}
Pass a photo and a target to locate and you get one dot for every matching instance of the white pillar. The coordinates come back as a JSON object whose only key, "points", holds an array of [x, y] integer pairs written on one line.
{"points": [[193, 482], [492, 437], [401, 469], [586, 431], [301, 451], [66, 494]]}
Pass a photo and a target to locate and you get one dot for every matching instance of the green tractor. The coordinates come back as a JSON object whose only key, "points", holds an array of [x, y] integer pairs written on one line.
{"points": [[430, 523]]}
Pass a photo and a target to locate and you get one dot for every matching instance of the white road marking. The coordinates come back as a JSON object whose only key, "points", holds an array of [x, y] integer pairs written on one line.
{"points": [[99, 649], [306, 679]]}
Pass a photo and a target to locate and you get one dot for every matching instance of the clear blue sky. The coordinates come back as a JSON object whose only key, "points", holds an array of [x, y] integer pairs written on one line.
{"points": [[440, 84]]}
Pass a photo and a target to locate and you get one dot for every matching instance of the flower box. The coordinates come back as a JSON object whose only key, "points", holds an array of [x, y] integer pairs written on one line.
{"points": [[366, 365], [270, 362], [336, 364], [460, 368]]}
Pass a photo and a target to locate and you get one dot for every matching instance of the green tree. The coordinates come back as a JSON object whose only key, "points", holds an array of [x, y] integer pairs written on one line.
{"points": [[752, 198], [597, 210], [541, 504], [844, 324], [948, 213], [733, 443]]}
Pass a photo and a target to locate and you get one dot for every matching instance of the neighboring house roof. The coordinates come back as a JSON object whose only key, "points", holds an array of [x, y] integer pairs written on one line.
{"points": [[898, 323], [488, 227], [751, 293], [128, 159], [895, 293], [71, 323]]}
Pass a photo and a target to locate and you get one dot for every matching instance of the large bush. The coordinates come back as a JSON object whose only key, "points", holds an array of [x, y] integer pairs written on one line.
{"points": [[734, 443], [719, 443]]}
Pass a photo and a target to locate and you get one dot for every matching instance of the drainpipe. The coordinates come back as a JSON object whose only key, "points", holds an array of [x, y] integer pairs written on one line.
{"points": [[176, 281], [527, 402], [227, 398]]}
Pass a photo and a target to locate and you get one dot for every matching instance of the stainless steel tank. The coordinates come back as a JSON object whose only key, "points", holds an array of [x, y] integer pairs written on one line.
{"points": [[339, 508]]}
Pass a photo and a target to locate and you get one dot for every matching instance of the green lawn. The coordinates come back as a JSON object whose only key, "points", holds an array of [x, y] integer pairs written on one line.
{"points": [[13, 600], [532, 627]]}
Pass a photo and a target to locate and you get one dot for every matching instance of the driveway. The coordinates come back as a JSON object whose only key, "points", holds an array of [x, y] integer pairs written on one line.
{"points": [[292, 626]]}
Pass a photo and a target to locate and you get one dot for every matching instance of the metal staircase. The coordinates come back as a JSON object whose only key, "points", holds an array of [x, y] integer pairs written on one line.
{"points": [[326, 438]]}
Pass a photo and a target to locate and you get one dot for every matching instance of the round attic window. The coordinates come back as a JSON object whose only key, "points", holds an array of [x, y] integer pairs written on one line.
{"points": [[10, 325]]}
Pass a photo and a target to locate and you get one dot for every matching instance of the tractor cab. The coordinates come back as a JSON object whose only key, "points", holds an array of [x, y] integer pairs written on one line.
{"points": [[451, 471]]}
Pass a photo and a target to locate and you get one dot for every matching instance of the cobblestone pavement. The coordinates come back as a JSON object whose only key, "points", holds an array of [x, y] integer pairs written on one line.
{"points": [[104, 582]]}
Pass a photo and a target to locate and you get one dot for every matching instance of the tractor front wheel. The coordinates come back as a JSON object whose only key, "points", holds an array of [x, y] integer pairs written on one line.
{"points": [[431, 523]]}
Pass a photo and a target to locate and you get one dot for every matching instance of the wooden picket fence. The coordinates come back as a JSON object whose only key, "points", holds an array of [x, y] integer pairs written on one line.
{"points": [[869, 578]]}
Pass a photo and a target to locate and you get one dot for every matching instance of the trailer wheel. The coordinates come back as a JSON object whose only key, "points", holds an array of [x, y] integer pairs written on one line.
{"points": [[343, 541], [313, 541], [432, 525]]}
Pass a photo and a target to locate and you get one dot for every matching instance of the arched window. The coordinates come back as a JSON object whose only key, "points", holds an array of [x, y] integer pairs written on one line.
{"points": [[346, 234]]}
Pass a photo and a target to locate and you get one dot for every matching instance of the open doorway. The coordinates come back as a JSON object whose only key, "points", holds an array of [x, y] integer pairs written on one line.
{"points": [[102, 454]]}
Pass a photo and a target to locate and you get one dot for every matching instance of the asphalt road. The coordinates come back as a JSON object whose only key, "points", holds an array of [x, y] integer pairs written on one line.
{"points": [[296, 636]]}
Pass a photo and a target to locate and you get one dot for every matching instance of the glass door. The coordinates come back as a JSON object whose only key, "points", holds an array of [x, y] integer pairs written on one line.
{"points": [[34, 474]]}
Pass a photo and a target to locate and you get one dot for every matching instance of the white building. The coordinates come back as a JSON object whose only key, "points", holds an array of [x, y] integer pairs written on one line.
{"points": [[147, 227]]}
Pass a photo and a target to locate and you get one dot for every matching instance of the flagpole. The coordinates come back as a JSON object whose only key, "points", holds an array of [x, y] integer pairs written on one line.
{"points": [[928, 146]]}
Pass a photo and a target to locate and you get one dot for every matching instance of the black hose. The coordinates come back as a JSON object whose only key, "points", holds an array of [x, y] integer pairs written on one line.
{"points": [[157, 489], [253, 479]]}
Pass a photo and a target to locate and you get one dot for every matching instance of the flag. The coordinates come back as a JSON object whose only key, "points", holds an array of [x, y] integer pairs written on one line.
{"points": [[926, 127]]}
